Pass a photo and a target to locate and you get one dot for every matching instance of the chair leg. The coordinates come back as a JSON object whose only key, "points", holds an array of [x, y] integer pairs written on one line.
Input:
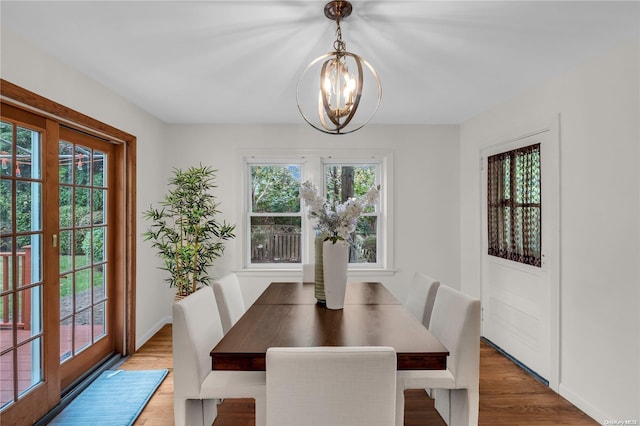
{"points": [[179, 411], [442, 404], [400, 403], [209, 411], [261, 411], [474, 405], [194, 412], [464, 407]]}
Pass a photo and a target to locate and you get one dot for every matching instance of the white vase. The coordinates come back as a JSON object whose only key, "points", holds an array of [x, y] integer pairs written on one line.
{"points": [[335, 258]]}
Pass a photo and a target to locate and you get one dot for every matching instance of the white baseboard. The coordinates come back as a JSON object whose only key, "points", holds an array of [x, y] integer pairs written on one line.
{"points": [[141, 340], [592, 411]]}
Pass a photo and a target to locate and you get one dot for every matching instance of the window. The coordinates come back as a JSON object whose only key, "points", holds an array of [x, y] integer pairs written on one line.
{"points": [[514, 208], [344, 181], [275, 216], [279, 233]]}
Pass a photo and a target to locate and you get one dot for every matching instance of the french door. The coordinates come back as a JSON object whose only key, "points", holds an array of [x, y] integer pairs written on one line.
{"points": [[84, 240], [25, 296], [58, 225]]}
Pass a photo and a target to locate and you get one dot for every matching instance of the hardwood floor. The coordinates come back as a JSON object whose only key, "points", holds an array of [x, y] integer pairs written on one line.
{"points": [[508, 395]]}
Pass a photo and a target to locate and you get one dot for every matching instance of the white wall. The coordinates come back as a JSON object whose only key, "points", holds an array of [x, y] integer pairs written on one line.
{"points": [[425, 189], [29, 67], [598, 103]]}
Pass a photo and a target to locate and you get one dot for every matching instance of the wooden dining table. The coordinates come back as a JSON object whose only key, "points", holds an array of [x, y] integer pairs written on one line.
{"points": [[287, 315]]}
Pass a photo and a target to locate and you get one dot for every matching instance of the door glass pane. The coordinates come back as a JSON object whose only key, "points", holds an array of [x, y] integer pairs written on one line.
{"points": [[82, 249], [66, 295], [29, 308], [99, 321], [6, 266], [6, 305], [82, 205], [65, 206], [29, 259], [6, 380], [6, 214], [99, 207], [82, 330], [20, 260], [29, 360], [99, 169], [98, 244], [99, 283], [65, 158], [82, 165], [28, 196], [82, 289], [28, 153], [66, 251], [66, 335], [6, 148]]}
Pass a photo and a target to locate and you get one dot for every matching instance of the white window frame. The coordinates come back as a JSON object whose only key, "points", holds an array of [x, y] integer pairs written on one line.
{"points": [[313, 164], [248, 214]]}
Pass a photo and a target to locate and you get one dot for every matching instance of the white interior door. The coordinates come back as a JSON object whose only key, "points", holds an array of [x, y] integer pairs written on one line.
{"points": [[521, 302]]}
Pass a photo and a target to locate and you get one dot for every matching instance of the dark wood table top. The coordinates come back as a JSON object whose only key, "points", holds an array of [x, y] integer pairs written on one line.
{"points": [[287, 315], [304, 294]]}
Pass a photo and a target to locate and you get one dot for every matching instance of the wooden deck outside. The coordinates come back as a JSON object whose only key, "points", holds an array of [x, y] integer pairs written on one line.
{"points": [[83, 334]]}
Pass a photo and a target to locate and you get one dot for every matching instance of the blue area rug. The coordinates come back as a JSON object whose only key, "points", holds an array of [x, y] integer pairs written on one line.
{"points": [[115, 398]]}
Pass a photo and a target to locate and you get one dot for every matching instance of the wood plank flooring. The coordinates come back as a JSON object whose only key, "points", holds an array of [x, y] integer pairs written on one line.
{"points": [[508, 395]]}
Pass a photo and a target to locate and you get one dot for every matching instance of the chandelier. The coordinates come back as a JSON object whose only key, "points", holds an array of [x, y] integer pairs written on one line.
{"points": [[332, 90]]}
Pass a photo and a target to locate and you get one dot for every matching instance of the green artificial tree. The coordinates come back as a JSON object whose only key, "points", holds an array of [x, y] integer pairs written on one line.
{"points": [[185, 230]]}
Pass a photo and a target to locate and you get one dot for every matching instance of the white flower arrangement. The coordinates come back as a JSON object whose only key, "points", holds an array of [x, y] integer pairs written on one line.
{"points": [[336, 221]]}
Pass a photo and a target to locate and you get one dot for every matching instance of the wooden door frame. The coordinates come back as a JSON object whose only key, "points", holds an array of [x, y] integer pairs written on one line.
{"points": [[125, 155]]}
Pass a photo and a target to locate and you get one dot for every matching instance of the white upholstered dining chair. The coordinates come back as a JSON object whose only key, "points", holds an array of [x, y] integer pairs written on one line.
{"points": [[421, 296], [229, 299], [196, 387], [331, 386], [455, 322], [420, 299]]}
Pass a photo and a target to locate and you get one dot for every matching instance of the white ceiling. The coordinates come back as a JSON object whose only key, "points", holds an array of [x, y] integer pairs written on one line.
{"points": [[239, 61]]}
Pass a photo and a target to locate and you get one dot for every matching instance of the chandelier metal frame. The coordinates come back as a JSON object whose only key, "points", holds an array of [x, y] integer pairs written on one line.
{"points": [[340, 92]]}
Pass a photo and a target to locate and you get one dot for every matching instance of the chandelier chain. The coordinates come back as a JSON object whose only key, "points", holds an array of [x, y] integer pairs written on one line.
{"points": [[339, 45]]}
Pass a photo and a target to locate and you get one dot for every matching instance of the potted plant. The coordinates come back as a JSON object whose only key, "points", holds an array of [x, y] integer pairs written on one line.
{"points": [[336, 226], [185, 230]]}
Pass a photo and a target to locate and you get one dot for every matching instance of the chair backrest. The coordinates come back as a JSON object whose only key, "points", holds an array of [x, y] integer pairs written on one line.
{"points": [[337, 386], [422, 295], [196, 330], [230, 301], [455, 322]]}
